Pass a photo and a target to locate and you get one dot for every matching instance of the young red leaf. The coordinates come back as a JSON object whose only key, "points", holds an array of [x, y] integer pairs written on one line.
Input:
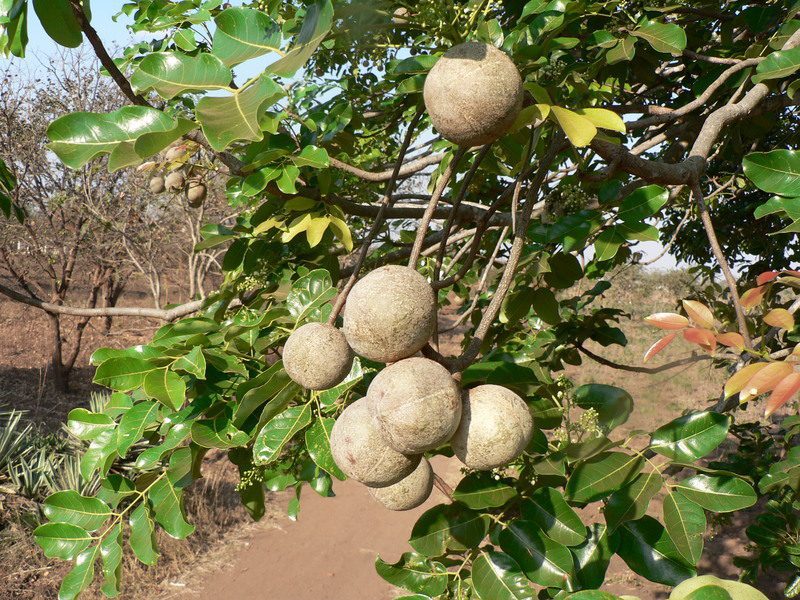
{"points": [[731, 340], [738, 380], [783, 392], [780, 317], [766, 277], [667, 321], [702, 337], [765, 380], [659, 346], [753, 296], [699, 313]]}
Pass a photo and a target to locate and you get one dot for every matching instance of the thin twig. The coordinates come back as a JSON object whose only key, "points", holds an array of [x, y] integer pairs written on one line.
{"points": [[649, 370], [443, 487]]}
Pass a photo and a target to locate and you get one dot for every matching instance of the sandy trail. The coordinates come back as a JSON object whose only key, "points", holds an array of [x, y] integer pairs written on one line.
{"points": [[327, 554]]}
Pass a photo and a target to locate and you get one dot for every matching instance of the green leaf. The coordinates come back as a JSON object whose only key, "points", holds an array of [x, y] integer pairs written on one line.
{"points": [[547, 508], [482, 490], [778, 65], [193, 363], [545, 562], [783, 473], [59, 22], [496, 576], [62, 540], [81, 575], [691, 436], [133, 425], [648, 550], [602, 118], [593, 556], [166, 386], [607, 244], [244, 33], [149, 144], [717, 493], [644, 202], [97, 456], [318, 444], [142, 538], [776, 172], [736, 589], [218, 433], [631, 502], [69, 506], [167, 502], [175, 437], [613, 405], [601, 475], [79, 137], [309, 294], [316, 24], [580, 130], [124, 373], [311, 156], [415, 573], [448, 526], [667, 38], [686, 524], [111, 553], [173, 73], [277, 432], [624, 50], [231, 118], [87, 425]]}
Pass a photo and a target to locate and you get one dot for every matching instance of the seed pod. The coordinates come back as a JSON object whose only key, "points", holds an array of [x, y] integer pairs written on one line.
{"points": [[360, 451], [400, 16], [175, 153], [175, 181], [473, 94], [156, 184], [196, 193], [409, 492], [495, 427], [417, 405], [317, 356], [390, 314]]}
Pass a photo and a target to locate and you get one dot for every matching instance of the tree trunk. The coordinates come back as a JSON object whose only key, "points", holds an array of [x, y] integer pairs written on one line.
{"points": [[60, 375]]}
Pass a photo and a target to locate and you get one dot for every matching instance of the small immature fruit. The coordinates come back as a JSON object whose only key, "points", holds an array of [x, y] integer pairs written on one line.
{"points": [[473, 94], [417, 404], [157, 185], [409, 492], [390, 314], [496, 425], [400, 16], [196, 193], [174, 153], [360, 451], [317, 356], [175, 181]]}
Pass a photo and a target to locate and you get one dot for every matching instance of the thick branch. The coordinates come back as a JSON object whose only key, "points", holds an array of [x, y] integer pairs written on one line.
{"points": [[649, 370], [409, 168]]}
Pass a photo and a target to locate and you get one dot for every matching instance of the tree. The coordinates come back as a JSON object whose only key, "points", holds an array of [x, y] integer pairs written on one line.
{"points": [[625, 114]]}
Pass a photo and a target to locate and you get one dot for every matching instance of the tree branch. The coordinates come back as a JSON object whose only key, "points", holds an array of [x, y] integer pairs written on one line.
{"points": [[409, 168], [649, 370]]}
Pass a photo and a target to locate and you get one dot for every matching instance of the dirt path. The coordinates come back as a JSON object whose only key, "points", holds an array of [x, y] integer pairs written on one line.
{"points": [[327, 554]]}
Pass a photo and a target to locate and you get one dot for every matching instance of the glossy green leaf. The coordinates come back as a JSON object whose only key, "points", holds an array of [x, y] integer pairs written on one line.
{"points": [[123, 373], [776, 172], [644, 202], [142, 537], [244, 33], [778, 65], [593, 556], [415, 573], [81, 575], [134, 423], [785, 472], [691, 436], [166, 386], [59, 22], [667, 38], [647, 549], [547, 508], [167, 503], [173, 73], [193, 363], [218, 433], [177, 434], [69, 506], [111, 554], [624, 50], [100, 451], [631, 502], [309, 294], [544, 561], [688, 590], [153, 142], [62, 540], [316, 24], [482, 490], [601, 475], [717, 493], [87, 425], [277, 433], [234, 117], [613, 405], [496, 576], [686, 524], [318, 444], [448, 526]]}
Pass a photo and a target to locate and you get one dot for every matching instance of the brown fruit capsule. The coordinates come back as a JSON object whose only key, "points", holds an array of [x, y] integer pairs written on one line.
{"points": [[390, 314], [417, 405], [156, 184], [317, 356], [196, 193], [409, 492], [175, 181], [174, 153], [495, 427], [400, 16], [360, 451], [473, 94]]}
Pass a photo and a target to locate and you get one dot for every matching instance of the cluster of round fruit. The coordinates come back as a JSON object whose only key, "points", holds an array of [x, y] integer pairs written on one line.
{"points": [[176, 179], [414, 404]]}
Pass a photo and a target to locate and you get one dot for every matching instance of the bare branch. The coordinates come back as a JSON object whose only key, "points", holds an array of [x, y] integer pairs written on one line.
{"points": [[409, 168], [649, 370]]}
